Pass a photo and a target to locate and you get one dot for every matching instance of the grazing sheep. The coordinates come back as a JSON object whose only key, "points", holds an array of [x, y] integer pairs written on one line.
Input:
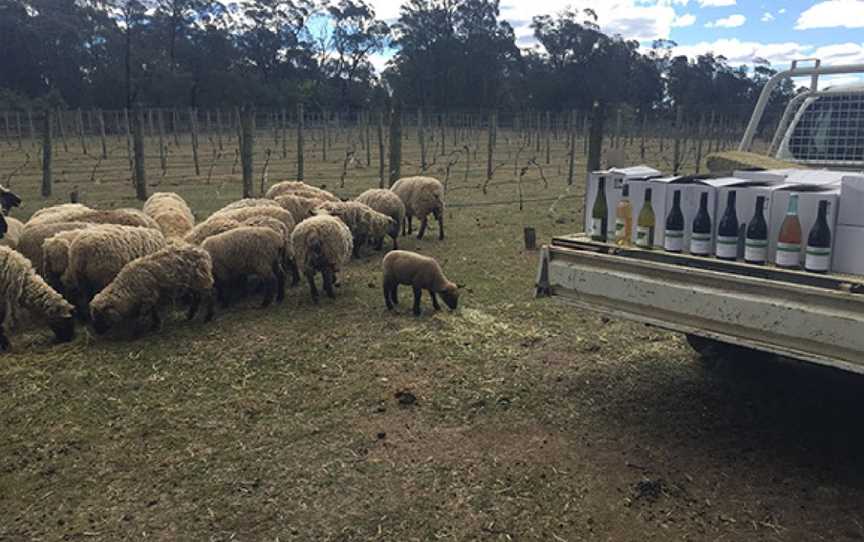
{"points": [[12, 235], [322, 244], [65, 212], [212, 226], [364, 222], [246, 202], [253, 212], [34, 236], [244, 251], [419, 272], [55, 256], [146, 285], [98, 254], [22, 288], [422, 196], [120, 217], [300, 207], [299, 188], [171, 213], [8, 200], [385, 202]]}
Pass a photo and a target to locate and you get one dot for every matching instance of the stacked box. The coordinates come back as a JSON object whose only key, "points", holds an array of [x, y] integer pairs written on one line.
{"points": [[745, 204], [808, 210], [615, 179], [849, 235], [658, 187]]}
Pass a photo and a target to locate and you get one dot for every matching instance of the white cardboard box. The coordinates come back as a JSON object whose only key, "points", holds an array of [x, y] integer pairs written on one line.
{"points": [[851, 211], [745, 207], [848, 250], [691, 196], [658, 187], [614, 186], [808, 210], [815, 177]]}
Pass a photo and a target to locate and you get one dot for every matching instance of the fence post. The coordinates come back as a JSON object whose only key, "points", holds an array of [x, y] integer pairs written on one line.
{"points": [[46, 154], [140, 169], [284, 126], [325, 117], [395, 143], [548, 138], [700, 142], [193, 125], [300, 120], [368, 139], [490, 151], [679, 132], [175, 121], [160, 123], [79, 118], [128, 140], [30, 125], [381, 157], [219, 128], [100, 117], [421, 135], [595, 143], [247, 146], [18, 127], [572, 152], [62, 129]]}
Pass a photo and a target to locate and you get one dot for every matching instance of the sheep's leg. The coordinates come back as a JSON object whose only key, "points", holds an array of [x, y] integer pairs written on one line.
{"points": [[328, 284], [155, 320], [387, 293], [395, 242], [280, 283], [295, 275], [194, 303], [269, 289], [405, 225], [222, 295], [5, 345], [379, 246], [310, 277], [423, 223], [410, 220], [435, 300], [210, 302], [417, 293], [394, 293], [439, 216]]}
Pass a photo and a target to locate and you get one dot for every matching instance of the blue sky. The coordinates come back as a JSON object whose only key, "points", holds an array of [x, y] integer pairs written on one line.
{"points": [[740, 30]]}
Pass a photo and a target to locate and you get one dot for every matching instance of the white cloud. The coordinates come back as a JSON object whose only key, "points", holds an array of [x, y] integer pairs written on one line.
{"points": [[716, 3], [739, 52], [833, 13], [767, 17], [688, 19], [732, 21], [781, 11]]}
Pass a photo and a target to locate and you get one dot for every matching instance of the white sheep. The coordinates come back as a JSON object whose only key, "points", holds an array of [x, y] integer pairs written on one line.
{"points": [[34, 236], [171, 213], [299, 188], [364, 222], [244, 251], [65, 212], [12, 235], [55, 256], [22, 288], [388, 203], [322, 244], [419, 272], [212, 226], [245, 203], [422, 196], [300, 207], [146, 285]]}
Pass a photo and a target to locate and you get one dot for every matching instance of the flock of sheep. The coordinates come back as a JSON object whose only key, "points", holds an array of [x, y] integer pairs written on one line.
{"points": [[121, 266]]}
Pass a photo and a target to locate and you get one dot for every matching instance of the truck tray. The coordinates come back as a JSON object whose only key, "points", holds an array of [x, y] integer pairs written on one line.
{"points": [[816, 318]]}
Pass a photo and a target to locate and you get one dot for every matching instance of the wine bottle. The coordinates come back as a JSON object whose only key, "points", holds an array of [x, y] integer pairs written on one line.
{"points": [[727, 231], [600, 213], [674, 233], [789, 240], [700, 239], [756, 245], [624, 219], [645, 224], [818, 257]]}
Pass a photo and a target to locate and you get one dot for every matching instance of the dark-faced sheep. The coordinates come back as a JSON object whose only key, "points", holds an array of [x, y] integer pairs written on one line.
{"points": [[364, 222], [422, 196], [419, 272], [388, 203], [322, 244]]}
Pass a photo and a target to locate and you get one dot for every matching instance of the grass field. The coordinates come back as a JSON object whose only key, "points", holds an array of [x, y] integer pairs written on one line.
{"points": [[532, 420]]}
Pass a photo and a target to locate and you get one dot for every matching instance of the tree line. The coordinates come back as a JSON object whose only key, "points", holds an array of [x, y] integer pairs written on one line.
{"points": [[446, 55]]}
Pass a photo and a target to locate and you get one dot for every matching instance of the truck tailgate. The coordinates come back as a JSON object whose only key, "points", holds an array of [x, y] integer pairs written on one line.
{"points": [[810, 317]]}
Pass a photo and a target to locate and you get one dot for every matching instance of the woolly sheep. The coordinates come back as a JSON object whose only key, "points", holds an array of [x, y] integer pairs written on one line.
{"points": [[98, 255], [422, 196], [385, 202], [245, 203], [146, 285], [212, 226], [65, 212], [34, 236], [22, 288], [55, 256], [364, 222], [322, 244], [279, 227], [171, 213], [244, 251], [301, 189], [120, 217], [252, 212], [12, 235], [419, 272], [8, 200], [300, 207]]}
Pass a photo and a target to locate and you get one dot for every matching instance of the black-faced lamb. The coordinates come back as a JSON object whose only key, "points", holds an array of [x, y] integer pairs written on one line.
{"points": [[98, 255], [245, 251], [388, 203], [22, 288], [422, 196], [364, 222], [322, 244], [146, 285], [419, 272], [171, 213]]}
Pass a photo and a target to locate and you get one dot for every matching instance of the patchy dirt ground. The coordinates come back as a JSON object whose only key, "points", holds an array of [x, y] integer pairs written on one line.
{"points": [[510, 419]]}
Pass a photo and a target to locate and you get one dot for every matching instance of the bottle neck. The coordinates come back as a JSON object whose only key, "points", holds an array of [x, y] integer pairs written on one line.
{"points": [[793, 205]]}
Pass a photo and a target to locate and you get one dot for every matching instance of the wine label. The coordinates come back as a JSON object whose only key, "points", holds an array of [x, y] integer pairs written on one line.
{"points": [[700, 244], [644, 237], [817, 259], [597, 228], [619, 227], [756, 250], [674, 241], [788, 255], [727, 247]]}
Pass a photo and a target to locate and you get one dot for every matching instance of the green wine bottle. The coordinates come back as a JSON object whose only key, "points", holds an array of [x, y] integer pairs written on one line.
{"points": [[673, 240], [818, 257], [645, 224], [756, 245], [700, 238], [727, 231], [600, 213]]}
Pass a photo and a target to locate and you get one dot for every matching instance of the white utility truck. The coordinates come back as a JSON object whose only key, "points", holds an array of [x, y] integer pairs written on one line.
{"points": [[730, 308]]}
